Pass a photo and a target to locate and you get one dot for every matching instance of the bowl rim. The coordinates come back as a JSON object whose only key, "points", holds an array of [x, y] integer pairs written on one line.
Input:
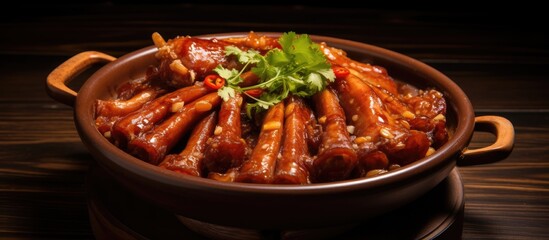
{"points": [[456, 144]]}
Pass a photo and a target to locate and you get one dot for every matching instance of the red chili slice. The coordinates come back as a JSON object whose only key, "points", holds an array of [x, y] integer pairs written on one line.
{"points": [[256, 92], [214, 81], [340, 72]]}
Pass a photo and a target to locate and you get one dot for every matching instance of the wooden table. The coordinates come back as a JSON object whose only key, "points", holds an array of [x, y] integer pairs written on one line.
{"points": [[502, 64]]}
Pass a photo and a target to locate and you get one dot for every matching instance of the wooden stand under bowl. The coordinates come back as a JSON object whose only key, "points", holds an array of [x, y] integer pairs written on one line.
{"points": [[116, 213]]}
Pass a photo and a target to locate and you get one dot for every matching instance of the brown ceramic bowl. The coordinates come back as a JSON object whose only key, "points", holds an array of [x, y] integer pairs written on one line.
{"points": [[266, 206]]}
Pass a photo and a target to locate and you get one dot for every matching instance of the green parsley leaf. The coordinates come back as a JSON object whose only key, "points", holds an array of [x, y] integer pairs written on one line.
{"points": [[286, 41], [250, 56], [278, 58], [327, 73], [315, 80], [226, 92], [225, 73], [299, 68]]}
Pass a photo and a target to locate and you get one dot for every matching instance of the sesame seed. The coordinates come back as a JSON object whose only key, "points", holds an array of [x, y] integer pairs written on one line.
{"points": [[439, 117], [322, 120], [351, 129], [405, 123], [430, 151], [408, 115], [375, 172], [393, 166], [360, 140], [203, 106], [218, 130], [176, 107], [386, 133], [272, 125], [289, 109]]}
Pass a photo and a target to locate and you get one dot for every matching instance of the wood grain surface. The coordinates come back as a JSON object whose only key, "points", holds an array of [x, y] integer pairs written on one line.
{"points": [[501, 63]]}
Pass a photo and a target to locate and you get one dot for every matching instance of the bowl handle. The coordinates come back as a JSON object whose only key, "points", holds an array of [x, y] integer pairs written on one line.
{"points": [[56, 84], [500, 149]]}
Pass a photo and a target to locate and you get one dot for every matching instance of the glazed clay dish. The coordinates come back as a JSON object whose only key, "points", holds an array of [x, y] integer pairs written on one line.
{"points": [[279, 206]]}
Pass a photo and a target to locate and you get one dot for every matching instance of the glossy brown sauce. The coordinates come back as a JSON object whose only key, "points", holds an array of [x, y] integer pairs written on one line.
{"points": [[362, 125]]}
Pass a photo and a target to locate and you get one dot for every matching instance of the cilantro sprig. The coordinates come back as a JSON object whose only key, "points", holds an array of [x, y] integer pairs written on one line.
{"points": [[299, 68]]}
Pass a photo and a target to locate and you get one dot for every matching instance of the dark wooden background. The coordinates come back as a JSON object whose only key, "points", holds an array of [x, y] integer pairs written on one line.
{"points": [[499, 57]]}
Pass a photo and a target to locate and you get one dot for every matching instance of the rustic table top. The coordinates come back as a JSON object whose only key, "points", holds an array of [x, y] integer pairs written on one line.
{"points": [[500, 62]]}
